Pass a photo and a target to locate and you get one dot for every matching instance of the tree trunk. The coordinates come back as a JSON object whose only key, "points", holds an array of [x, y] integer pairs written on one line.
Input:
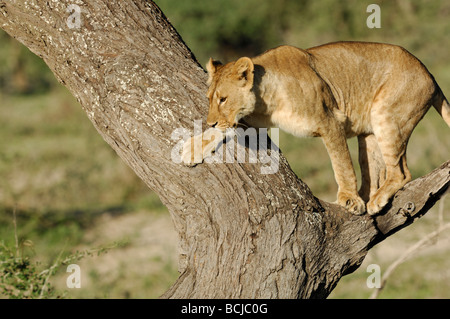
{"points": [[242, 233]]}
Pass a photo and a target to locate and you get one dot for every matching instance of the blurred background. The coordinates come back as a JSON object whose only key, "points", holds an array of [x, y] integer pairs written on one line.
{"points": [[76, 201]]}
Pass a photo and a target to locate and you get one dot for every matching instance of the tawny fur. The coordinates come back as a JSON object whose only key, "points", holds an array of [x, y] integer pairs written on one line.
{"points": [[378, 92]]}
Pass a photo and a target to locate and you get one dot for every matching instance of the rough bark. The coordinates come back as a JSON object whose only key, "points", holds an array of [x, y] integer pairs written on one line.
{"points": [[242, 234]]}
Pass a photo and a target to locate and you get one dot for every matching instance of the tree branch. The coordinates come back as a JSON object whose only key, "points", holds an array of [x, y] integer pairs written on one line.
{"points": [[413, 201], [242, 233], [406, 255]]}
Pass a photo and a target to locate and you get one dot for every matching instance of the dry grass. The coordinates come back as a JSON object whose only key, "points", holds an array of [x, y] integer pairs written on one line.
{"points": [[143, 267], [73, 193]]}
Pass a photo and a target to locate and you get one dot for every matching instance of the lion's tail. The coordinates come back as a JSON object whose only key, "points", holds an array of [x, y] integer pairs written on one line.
{"points": [[442, 106]]}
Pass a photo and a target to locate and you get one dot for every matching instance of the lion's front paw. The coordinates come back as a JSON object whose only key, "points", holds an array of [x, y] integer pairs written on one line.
{"points": [[201, 146], [192, 151], [352, 202]]}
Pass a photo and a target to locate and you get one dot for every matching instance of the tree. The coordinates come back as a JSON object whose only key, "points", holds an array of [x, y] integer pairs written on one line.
{"points": [[242, 233]]}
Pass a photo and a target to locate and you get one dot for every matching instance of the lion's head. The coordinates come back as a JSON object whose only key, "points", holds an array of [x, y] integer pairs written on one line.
{"points": [[230, 92]]}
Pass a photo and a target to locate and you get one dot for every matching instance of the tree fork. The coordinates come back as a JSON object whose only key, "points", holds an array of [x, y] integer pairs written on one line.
{"points": [[242, 234]]}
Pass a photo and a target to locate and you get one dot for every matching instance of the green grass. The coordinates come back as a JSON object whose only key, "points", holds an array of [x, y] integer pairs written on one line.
{"points": [[65, 182], [424, 275], [72, 192], [49, 150], [61, 178]]}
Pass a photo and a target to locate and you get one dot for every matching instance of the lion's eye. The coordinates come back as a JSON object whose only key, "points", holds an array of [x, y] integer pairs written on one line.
{"points": [[222, 100]]}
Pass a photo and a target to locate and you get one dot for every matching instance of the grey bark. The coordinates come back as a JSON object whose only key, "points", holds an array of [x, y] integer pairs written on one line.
{"points": [[242, 234]]}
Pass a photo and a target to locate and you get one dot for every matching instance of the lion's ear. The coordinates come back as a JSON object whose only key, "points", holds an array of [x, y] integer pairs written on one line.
{"points": [[212, 67], [243, 68]]}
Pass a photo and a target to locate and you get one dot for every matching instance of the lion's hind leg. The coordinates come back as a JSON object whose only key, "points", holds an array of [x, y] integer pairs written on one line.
{"points": [[373, 169], [392, 137]]}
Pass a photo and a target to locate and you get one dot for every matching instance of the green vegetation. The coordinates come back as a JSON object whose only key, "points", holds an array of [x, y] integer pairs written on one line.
{"points": [[22, 277], [227, 29], [62, 179], [71, 192], [22, 72]]}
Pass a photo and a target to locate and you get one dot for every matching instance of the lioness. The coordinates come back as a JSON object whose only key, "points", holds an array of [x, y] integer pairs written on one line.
{"points": [[377, 92]]}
